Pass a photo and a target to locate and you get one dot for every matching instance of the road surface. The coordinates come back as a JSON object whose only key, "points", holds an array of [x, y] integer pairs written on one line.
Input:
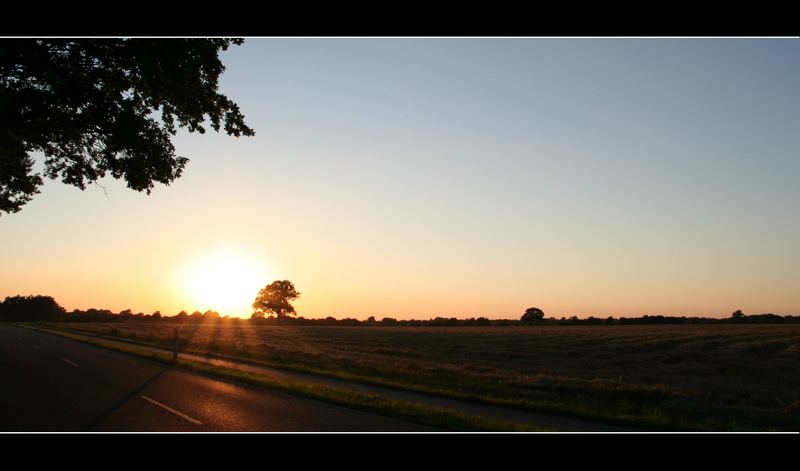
{"points": [[50, 383], [503, 414]]}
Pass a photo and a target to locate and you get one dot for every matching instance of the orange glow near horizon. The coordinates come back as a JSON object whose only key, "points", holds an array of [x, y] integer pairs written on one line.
{"points": [[223, 279]]}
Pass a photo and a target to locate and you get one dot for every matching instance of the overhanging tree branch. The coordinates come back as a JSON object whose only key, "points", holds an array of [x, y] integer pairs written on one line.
{"points": [[92, 107]]}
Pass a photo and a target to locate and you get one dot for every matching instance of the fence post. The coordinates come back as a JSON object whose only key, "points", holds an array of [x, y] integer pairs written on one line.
{"points": [[175, 345]]}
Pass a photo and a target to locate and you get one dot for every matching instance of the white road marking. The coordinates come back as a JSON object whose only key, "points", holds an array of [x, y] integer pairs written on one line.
{"points": [[71, 363], [170, 409], [36, 346]]}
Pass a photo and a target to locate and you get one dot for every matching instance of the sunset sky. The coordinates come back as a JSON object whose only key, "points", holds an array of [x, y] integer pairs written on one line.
{"points": [[416, 178]]}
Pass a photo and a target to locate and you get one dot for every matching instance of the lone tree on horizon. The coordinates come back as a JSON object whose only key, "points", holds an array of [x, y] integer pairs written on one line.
{"points": [[532, 315], [98, 106], [274, 299]]}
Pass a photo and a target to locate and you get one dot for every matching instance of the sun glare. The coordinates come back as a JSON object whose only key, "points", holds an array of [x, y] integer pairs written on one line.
{"points": [[225, 280]]}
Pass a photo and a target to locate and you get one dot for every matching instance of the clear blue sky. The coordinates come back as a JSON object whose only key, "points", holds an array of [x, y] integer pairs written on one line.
{"points": [[464, 177]]}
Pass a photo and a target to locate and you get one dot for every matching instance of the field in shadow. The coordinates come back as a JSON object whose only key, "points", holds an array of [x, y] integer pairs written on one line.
{"points": [[687, 377]]}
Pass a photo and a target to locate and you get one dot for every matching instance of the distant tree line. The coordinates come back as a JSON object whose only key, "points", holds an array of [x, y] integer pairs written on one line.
{"points": [[672, 320], [574, 320], [45, 308], [30, 308]]}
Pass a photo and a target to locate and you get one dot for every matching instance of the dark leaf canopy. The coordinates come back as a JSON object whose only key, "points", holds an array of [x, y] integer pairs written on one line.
{"points": [[105, 106], [274, 299], [532, 314]]}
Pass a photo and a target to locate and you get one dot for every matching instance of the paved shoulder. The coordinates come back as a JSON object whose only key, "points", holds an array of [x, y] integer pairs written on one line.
{"points": [[52, 383]]}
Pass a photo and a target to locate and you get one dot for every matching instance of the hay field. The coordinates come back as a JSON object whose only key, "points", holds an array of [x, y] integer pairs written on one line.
{"points": [[685, 377]]}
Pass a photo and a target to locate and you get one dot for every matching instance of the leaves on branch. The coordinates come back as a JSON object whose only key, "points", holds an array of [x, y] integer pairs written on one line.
{"points": [[105, 106]]}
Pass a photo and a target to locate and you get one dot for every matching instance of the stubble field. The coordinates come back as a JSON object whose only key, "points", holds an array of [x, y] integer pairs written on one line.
{"points": [[687, 377]]}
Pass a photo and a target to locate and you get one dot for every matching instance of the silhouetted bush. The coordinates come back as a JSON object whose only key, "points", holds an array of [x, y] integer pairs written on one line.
{"points": [[532, 315], [30, 308]]}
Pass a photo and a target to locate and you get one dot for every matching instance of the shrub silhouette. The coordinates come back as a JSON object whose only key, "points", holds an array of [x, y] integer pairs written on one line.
{"points": [[532, 315], [30, 308]]}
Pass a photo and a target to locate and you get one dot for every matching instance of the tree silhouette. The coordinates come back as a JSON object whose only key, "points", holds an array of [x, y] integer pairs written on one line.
{"points": [[97, 106], [30, 308], [532, 315], [274, 299]]}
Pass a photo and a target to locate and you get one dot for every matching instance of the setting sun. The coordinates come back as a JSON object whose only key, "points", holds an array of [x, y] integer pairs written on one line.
{"points": [[604, 232], [225, 280]]}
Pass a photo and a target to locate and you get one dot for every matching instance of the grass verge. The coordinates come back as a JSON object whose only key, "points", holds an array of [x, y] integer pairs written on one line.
{"points": [[437, 417], [642, 406], [582, 408]]}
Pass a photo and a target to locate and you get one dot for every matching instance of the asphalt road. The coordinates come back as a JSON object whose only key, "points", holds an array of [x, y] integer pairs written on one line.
{"points": [[50, 383], [567, 424]]}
